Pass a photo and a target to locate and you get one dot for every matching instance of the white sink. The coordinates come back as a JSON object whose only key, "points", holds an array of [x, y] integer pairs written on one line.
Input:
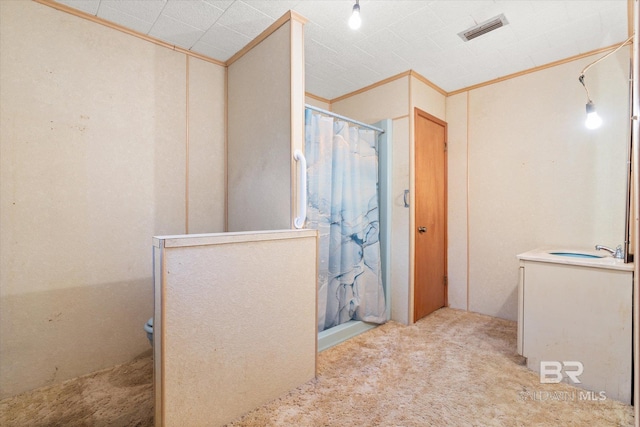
{"points": [[575, 254]]}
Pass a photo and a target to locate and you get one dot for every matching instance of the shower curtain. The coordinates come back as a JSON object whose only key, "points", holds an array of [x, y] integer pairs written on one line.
{"points": [[342, 176]]}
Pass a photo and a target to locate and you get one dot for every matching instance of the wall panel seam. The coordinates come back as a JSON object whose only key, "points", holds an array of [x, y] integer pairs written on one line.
{"points": [[467, 201], [186, 190]]}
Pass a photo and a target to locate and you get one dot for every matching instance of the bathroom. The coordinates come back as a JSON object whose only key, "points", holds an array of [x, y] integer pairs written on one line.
{"points": [[77, 214]]}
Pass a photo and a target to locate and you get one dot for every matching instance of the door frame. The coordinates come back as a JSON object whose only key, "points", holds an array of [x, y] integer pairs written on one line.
{"points": [[416, 113]]}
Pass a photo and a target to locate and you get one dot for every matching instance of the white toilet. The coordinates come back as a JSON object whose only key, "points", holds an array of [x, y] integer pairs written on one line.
{"points": [[148, 327]]}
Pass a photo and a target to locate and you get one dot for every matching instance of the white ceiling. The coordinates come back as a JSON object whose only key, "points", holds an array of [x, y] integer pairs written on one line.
{"points": [[396, 35]]}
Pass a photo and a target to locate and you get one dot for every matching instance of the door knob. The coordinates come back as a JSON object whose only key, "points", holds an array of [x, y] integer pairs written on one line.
{"points": [[422, 229]]}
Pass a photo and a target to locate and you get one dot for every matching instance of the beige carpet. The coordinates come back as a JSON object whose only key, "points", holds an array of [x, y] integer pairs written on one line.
{"points": [[449, 369], [118, 397]]}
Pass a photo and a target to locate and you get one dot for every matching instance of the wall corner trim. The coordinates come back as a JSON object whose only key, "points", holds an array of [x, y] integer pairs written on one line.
{"points": [[64, 8], [318, 98], [534, 69], [288, 16], [372, 86], [429, 83]]}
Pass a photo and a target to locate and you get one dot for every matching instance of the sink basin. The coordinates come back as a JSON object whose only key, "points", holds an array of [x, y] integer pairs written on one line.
{"points": [[576, 254]]}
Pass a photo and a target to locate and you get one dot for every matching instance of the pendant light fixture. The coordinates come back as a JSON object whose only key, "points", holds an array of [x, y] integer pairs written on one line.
{"points": [[355, 21], [593, 119]]}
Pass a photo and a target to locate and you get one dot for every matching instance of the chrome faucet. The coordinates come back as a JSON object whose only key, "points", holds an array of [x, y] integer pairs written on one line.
{"points": [[617, 252]]}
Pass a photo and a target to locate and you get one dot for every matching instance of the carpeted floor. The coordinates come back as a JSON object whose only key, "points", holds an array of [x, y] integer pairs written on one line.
{"points": [[450, 369], [118, 397]]}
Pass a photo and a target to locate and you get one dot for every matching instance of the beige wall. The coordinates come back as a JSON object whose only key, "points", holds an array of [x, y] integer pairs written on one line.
{"points": [[260, 93], [536, 175], [400, 233], [427, 98], [93, 164], [387, 101], [316, 103], [206, 147], [456, 113]]}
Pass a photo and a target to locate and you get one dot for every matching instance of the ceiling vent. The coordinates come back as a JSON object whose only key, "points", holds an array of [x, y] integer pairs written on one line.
{"points": [[484, 28]]}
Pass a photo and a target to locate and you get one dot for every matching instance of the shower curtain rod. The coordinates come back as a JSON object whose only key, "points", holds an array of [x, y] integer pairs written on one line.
{"points": [[338, 116]]}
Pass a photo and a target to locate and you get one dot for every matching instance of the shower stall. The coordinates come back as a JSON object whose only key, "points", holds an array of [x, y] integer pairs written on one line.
{"points": [[266, 135], [348, 181], [245, 301], [292, 292]]}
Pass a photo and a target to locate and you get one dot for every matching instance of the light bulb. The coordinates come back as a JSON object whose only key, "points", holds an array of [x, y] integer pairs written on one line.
{"points": [[355, 21], [593, 119]]}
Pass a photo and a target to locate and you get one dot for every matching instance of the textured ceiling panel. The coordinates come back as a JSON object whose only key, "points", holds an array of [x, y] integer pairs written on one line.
{"points": [[273, 8], [88, 6], [198, 14], [245, 19], [175, 32], [145, 10], [108, 13], [396, 35], [225, 39]]}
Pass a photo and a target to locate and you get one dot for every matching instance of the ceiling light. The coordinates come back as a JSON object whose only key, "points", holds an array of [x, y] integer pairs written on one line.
{"points": [[355, 21]]}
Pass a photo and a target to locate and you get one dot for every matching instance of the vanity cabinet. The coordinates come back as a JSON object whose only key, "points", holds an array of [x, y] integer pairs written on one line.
{"points": [[578, 310]]}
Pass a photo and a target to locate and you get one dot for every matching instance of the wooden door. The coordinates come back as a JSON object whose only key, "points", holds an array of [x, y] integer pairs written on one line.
{"points": [[430, 291]]}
